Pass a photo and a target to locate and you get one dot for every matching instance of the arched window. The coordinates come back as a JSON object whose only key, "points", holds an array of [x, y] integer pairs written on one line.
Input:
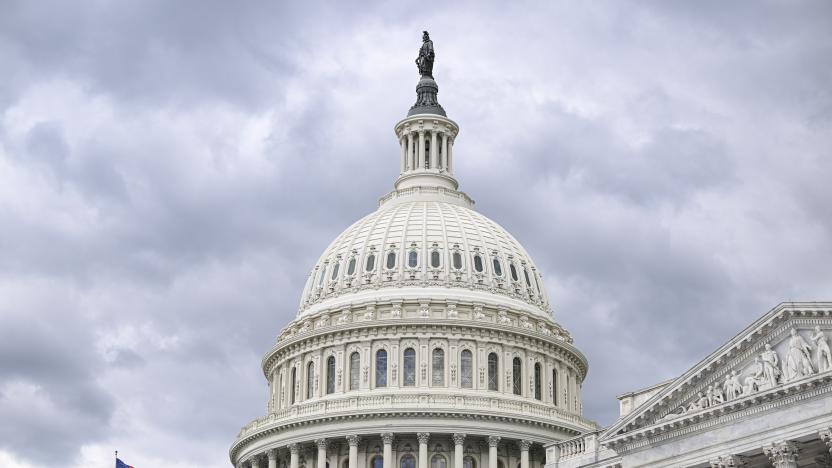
{"points": [[391, 260], [280, 391], [517, 376], [427, 151], [468, 462], [334, 271], [310, 380], [513, 272], [466, 369], [371, 263], [322, 276], [435, 260], [330, 375], [478, 263], [407, 461], [409, 368], [351, 266], [492, 371], [554, 386], [498, 269], [377, 462], [438, 367], [381, 368], [438, 461], [355, 370], [537, 381], [346, 463], [412, 259], [500, 464], [456, 260], [528, 281], [294, 385]]}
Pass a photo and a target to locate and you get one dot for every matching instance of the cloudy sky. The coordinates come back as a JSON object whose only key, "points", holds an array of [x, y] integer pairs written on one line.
{"points": [[169, 172]]}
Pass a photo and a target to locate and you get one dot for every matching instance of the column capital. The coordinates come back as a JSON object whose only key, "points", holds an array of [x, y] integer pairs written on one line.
{"points": [[423, 437], [294, 449], [387, 438], [459, 438], [493, 441], [254, 461], [353, 440], [524, 445], [322, 444], [272, 454], [782, 454], [826, 436]]}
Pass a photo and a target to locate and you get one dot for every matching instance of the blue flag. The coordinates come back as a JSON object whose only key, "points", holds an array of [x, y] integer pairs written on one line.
{"points": [[121, 464]]}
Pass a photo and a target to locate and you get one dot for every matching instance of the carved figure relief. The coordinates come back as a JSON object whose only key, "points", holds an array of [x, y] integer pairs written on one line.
{"points": [[798, 362], [824, 357]]}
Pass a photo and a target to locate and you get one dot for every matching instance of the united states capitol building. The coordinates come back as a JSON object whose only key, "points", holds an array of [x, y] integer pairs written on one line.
{"points": [[425, 338]]}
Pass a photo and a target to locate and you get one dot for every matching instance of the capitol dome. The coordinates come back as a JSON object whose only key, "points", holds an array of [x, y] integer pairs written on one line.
{"points": [[424, 335]]}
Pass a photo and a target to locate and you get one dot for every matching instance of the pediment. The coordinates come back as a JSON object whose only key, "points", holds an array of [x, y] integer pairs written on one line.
{"points": [[785, 351]]}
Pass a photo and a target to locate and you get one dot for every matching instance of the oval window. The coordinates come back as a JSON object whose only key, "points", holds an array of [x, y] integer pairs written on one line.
{"points": [[434, 259], [391, 260], [351, 266], [412, 259], [457, 260], [323, 275], [334, 271], [498, 269], [478, 263], [371, 263], [528, 281], [513, 272]]}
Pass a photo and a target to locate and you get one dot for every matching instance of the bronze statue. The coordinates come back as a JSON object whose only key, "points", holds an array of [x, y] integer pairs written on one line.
{"points": [[425, 60]]}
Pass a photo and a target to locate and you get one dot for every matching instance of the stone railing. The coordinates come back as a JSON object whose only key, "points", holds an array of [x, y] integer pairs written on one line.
{"points": [[499, 406], [580, 451], [572, 447], [427, 190]]}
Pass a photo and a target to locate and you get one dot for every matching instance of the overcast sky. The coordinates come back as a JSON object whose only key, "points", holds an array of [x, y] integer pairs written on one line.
{"points": [[170, 171]]}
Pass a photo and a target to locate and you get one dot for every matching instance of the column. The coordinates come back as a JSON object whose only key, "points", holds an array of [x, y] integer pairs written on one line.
{"points": [[352, 440], [782, 454], [423, 448], [434, 153], [321, 443], [293, 460], [402, 143], [410, 159], [493, 442], [524, 453], [450, 154], [826, 436], [420, 159], [387, 438], [272, 458], [459, 440], [254, 462], [444, 163]]}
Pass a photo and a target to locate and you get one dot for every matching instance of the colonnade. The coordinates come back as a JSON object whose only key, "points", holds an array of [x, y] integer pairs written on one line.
{"points": [[426, 150], [272, 457]]}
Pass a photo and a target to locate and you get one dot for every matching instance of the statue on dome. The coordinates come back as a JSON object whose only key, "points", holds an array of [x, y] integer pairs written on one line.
{"points": [[426, 55]]}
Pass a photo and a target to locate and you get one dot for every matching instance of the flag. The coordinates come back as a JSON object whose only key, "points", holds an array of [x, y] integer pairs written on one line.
{"points": [[121, 464]]}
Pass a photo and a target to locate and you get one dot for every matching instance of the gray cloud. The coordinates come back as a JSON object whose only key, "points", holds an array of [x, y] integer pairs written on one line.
{"points": [[170, 172]]}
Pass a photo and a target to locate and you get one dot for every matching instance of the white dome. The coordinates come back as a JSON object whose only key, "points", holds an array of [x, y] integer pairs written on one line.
{"points": [[420, 248]]}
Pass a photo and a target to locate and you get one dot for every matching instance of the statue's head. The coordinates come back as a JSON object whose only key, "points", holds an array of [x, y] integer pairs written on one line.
{"points": [[768, 347], [425, 36], [793, 332]]}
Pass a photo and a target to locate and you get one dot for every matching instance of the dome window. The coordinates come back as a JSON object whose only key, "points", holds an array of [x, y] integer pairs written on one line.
{"points": [[517, 376], [466, 368], [294, 383], [391, 260], [381, 368], [412, 259], [310, 380], [493, 362], [438, 461], [478, 267], [330, 375], [408, 461], [435, 259], [351, 266], [322, 277], [456, 260], [438, 367], [555, 387], [528, 281], [409, 367], [355, 369], [334, 274], [513, 272], [371, 263], [537, 381], [498, 269]]}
